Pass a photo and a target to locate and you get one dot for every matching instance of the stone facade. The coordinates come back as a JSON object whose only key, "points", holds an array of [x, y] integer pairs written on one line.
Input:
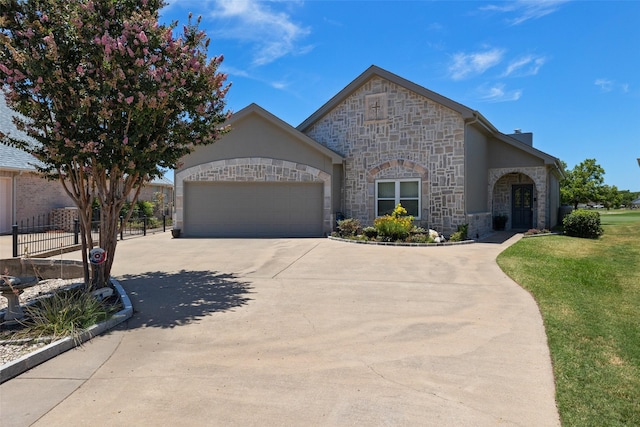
{"points": [[499, 191], [386, 131], [254, 169]]}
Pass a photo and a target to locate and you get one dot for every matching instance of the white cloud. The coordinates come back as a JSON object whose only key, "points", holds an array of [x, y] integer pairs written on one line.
{"points": [[608, 85], [498, 93], [524, 10], [528, 65], [605, 85], [464, 65], [273, 33]]}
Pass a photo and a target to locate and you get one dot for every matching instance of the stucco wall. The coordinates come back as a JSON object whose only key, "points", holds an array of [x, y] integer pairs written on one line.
{"points": [[253, 136], [476, 161], [413, 137]]}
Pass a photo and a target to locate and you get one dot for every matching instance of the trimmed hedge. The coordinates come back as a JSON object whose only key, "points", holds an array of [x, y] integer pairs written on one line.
{"points": [[583, 223]]}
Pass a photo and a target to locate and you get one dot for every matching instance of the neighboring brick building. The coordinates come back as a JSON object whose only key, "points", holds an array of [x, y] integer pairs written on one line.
{"points": [[24, 194], [380, 141]]}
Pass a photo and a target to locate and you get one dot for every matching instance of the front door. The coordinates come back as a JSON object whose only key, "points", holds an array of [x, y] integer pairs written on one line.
{"points": [[522, 206]]}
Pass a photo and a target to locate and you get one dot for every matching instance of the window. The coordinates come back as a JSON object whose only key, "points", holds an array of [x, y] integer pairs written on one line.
{"points": [[391, 192]]}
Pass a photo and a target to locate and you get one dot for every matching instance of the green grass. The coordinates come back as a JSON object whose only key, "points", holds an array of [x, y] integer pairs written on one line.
{"points": [[589, 296]]}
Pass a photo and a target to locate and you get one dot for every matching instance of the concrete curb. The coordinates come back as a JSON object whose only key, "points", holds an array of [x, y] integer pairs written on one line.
{"points": [[368, 242], [31, 360]]}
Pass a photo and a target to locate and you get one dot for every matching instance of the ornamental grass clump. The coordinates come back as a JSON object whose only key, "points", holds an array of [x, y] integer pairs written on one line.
{"points": [[66, 313], [394, 227]]}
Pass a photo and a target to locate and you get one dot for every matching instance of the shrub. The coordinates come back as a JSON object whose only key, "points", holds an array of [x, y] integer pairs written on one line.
{"points": [[395, 226], [145, 208], [419, 238], [370, 232], [461, 234], [456, 237], [349, 227], [583, 223]]}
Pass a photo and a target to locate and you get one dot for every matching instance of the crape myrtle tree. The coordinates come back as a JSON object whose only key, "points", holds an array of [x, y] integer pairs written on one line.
{"points": [[110, 97]]}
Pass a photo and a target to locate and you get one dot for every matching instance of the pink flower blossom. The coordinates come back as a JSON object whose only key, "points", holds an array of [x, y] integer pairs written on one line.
{"points": [[129, 100], [143, 37]]}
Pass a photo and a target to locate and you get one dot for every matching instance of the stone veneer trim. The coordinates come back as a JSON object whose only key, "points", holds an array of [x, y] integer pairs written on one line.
{"points": [[254, 169], [539, 177]]}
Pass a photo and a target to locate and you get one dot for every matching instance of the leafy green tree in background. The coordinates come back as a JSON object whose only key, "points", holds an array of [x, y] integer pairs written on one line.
{"points": [[582, 184], [110, 96]]}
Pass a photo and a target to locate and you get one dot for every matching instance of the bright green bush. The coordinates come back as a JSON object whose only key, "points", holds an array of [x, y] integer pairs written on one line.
{"points": [[396, 226], [583, 223]]}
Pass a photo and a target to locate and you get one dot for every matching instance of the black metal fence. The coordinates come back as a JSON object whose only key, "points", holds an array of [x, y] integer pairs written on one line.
{"points": [[40, 237]]}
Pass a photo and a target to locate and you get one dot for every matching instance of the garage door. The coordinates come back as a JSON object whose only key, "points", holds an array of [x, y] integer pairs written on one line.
{"points": [[5, 205], [242, 209]]}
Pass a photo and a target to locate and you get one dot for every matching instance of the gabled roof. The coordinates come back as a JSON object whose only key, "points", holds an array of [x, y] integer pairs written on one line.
{"points": [[161, 181], [375, 71], [12, 158], [471, 117], [264, 114]]}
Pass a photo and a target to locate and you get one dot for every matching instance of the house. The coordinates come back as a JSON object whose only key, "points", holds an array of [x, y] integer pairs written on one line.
{"points": [[25, 195], [380, 141]]}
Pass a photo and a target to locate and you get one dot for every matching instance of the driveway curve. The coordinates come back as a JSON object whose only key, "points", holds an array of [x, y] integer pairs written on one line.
{"points": [[289, 332]]}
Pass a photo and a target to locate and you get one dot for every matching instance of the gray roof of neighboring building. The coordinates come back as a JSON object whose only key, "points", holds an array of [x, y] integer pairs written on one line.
{"points": [[12, 158], [162, 181]]}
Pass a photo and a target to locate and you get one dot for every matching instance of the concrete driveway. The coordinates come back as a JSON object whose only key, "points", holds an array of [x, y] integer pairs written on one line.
{"points": [[293, 332]]}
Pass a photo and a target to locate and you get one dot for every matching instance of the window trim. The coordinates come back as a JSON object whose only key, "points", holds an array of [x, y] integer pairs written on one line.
{"points": [[397, 194]]}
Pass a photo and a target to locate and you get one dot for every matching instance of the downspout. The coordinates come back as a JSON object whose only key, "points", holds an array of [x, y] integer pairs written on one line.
{"points": [[343, 195]]}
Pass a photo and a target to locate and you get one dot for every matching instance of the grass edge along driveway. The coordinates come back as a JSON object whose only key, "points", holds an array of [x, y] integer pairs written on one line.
{"points": [[588, 292]]}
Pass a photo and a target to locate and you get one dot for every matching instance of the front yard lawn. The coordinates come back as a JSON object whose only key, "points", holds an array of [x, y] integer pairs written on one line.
{"points": [[589, 296]]}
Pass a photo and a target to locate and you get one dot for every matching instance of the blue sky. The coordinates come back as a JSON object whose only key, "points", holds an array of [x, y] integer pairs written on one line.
{"points": [[568, 71]]}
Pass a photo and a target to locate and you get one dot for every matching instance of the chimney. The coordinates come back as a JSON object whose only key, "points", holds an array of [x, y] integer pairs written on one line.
{"points": [[524, 137]]}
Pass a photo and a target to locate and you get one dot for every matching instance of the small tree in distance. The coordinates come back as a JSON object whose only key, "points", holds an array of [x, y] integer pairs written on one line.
{"points": [[110, 97]]}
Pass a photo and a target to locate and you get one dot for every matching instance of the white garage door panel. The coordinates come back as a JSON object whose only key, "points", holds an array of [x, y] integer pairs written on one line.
{"points": [[241, 209]]}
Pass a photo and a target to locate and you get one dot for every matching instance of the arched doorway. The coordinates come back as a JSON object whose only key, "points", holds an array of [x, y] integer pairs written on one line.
{"points": [[515, 195]]}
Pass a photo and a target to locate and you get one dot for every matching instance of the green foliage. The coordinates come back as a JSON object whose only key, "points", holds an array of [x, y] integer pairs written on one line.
{"points": [[370, 232], [583, 223], [145, 208], [349, 227], [461, 234], [111, 96], [396, 226], [588, 292], [419, 238], [582, 184], [66, 313]]}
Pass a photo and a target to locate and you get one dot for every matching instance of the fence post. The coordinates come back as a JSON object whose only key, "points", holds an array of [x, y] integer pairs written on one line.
{"points": [[164, 223], [14, 232], [144, 225], [76, 231], [121, 228]]}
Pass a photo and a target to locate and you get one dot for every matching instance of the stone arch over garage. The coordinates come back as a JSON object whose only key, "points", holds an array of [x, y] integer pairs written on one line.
{"points": [[398, 169], [500, 183], [254, 169]]}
